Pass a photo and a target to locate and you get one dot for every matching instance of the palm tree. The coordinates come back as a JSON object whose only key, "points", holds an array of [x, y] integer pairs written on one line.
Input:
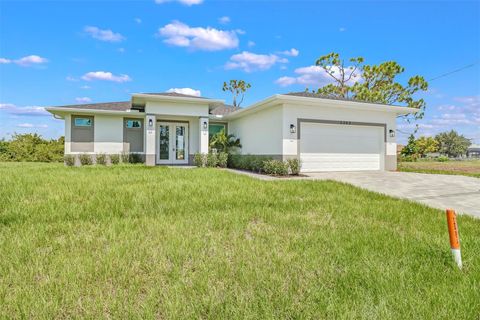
{"points": [[223, 142]]}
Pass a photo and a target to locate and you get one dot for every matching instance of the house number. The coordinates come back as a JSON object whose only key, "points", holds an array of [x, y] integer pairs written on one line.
{"points": [[345, 122]]}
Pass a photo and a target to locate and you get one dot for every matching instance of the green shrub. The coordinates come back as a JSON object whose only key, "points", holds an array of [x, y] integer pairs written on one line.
{"points": [[69, 160], [275, 167], [115, 159], [247, 162], [101, 159], [135, 158], [200, 160], [31, 147], [222, 159], [294, 166], [442, 159], [408, 158], [86, 159], [212, 160], [125, 156]]}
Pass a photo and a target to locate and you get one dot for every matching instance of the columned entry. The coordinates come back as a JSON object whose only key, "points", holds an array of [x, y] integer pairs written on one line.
{"points": [[172, 143]]}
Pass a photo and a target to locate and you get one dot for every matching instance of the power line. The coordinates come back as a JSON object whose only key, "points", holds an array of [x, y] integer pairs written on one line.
{"points": [[454, 71]]}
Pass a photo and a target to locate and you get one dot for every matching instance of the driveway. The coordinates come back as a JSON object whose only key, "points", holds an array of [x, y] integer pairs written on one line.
{"points": [[439, 191]]}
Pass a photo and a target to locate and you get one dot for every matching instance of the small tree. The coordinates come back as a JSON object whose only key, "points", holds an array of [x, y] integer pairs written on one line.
{"points": [[410, 151], [426, 145], [452, 144], [238, 89], [223, 142]]}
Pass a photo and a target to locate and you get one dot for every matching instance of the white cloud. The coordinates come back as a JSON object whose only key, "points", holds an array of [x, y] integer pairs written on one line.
{"points": [[106, 76], [291, 53], [249, 62], [185, 2], [313, 76], [138, 20], [70, 78], [251, 44], [31, 125], [224, 20], [209, 39], [189, 91], [83, 100], [23, 111], [5, 61], [25, 61], [103, 35]]}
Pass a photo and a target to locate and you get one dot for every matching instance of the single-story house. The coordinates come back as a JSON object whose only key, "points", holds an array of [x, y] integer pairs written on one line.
{"points": [[473, 151], [169, 128]]}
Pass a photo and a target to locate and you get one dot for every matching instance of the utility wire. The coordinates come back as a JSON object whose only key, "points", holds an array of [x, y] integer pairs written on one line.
{"points": [[454, 71]]}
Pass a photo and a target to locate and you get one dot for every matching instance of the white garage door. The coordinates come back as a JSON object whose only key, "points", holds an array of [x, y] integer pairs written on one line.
{"points": [[334, 147]]}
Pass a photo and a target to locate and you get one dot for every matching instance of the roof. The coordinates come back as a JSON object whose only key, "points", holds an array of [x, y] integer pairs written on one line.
{"points": [[307, 94], [221, 110], [173, 94], [110, 106]]}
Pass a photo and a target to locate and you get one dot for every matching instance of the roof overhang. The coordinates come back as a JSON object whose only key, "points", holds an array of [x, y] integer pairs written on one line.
{"points": [[143, 97], [61, 112], [319, 102]]}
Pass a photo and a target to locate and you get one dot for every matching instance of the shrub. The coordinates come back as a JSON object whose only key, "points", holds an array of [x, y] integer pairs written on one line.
{"points": [[275, 167], [406, 158], [135, 158], [212, 160], [101, 159], [200, 160], [222, 159], [31, 147], [69, 160], [86, 159], [442, 159], [115, 159], [247, 162], [125, 156], [294, 166]]}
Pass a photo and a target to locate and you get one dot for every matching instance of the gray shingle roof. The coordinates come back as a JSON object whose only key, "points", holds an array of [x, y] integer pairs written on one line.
{"points": [[173, 94], [223, 109], [110, 106], [307, 94]]}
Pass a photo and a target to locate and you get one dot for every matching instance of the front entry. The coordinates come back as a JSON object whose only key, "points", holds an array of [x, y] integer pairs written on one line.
{"points": [[172, 143]]}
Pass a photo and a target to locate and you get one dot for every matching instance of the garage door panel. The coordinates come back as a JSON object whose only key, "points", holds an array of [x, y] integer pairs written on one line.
{"points": [[331, 147]]}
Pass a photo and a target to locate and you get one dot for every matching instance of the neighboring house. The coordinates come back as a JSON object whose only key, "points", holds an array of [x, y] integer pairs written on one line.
{"points": [[473, 151], [169, 128]]}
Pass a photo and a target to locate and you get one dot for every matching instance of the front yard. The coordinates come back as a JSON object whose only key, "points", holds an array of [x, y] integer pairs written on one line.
{"points": [[467, 168], [153, 242]]}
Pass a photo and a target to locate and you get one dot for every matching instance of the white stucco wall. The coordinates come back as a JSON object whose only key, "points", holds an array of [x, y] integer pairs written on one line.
{"points": [[68, 133], [108, 134], [176, 108], [293, 112], [260, 132]]}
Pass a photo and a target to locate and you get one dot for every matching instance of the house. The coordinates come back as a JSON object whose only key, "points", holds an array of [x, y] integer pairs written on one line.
{"points": [[473, 151], [169, 128]]}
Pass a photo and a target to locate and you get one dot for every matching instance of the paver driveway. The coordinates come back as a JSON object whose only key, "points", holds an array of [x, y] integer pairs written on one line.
{"points": [[436, 190]]}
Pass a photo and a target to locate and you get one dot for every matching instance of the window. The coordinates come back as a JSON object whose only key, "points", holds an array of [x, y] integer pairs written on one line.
{"points": [[215, 128], [83, 122], [133, 124]]}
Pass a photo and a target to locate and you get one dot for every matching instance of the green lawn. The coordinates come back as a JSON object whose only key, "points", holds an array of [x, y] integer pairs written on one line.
{"points": [[140, 242], [465, 168]]}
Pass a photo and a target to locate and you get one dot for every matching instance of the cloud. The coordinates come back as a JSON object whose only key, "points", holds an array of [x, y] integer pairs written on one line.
{"points": [[251, 44], [121, 50], [249, 62], [138, 20], [208, 39], [83, 100], [70, 78], [312, 76], [106, 76], [188, 91], [26, 61], [31, 125], [103, 35], [224, 20], [23, 111], [291, 53], [184, 2]]}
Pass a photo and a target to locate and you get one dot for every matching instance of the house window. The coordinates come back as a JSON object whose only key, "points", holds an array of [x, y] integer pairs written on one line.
{"points": [[215, 128], [83, 122], [133, 124]]}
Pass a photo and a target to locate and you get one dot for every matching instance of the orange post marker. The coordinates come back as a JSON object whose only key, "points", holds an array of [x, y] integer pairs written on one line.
{"points": [[454, 238]]}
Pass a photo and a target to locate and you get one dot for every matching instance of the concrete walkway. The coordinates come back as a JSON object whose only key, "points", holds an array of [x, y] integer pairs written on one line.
{"points": [[439, 191]]}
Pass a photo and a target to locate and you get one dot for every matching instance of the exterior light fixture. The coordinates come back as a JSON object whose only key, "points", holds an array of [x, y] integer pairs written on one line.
{"points": [[392, 133], [293, 129], [150, 122], [205, 125]]}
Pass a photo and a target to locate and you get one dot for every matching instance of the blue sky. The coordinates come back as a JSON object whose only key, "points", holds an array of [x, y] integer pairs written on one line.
{"points": [[66, 52]]}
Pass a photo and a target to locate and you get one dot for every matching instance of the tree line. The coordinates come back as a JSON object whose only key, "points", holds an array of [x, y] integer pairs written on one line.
{"points": [[448, 143], [32, 147]]}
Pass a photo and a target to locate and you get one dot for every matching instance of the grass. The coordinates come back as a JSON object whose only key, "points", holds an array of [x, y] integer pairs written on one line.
{"points": [[465, 168], [140, 242]]}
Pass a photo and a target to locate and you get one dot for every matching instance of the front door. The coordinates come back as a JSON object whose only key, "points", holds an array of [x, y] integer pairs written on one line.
{"points": [[172, 143]]}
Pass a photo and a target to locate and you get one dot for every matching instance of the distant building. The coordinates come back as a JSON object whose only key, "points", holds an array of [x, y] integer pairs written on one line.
{"points": [[473, 151]]}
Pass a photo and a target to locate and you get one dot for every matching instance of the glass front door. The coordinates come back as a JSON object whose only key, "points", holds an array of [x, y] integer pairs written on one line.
{"points": [[172, 143]]}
